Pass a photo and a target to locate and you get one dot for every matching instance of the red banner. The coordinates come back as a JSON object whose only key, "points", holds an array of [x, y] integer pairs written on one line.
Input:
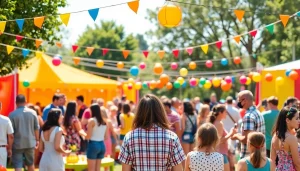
{"points": [[297, 86], [8, 92]]}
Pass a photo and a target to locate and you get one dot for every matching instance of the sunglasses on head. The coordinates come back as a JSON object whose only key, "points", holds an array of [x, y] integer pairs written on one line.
{"points": [[292, 109]]}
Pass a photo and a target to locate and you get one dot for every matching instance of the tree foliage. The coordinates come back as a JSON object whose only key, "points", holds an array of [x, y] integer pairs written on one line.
{"points": [[14, 9]]}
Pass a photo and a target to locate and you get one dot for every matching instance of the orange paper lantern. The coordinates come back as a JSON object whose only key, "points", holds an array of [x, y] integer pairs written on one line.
{"points": [[120, 65], [119, 85], [152, 84], [293, 75], [159, 84], [225, 86], [158, 69], [164, 78], [169, 86], [237, 60], [269, 77], [192, 65]]}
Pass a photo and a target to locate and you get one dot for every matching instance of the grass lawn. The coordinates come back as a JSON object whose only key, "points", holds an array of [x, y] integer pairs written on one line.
{"points": [[117, 168]]}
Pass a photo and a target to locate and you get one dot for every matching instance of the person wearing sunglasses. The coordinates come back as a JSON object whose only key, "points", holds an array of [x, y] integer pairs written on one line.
{"points": [[284, 142]]}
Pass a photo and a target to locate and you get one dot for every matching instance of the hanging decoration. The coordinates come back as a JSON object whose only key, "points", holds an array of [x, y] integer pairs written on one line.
{"points": [[209, 64], [176, 84], [164, 78], [145, 52], [180, 80], [138, 85], [20, 23], [256, 77], [279, 81], [65, 18], [228, 79], [158, 69], [284, 19], [161, 54], [216, 82], [225, 86], [169, 86], [207, 84], [9, 49], [183, 72], [224, 62], [26, 83], [125, 53], [90, 50], [174, 66], [120, 65], [189, 50], [202, 81], [56, 61], [287, 72], [134, 71], [293, 75], [248, 82], [243, 79], [142, 65], [237, 60], [269, 77], [134, 5], [204, 48], [94, 13], [38, 21], [76, 60], [169, 15], [193, 82], [25, 52], [192, 65], [239, 14], [99, 63]]}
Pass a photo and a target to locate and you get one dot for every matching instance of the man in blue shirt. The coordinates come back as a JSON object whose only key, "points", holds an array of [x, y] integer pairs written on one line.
{"points": [[57, 102], [270, 117]]}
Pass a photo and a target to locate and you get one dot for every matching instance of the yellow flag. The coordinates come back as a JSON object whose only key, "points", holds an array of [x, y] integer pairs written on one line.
{"points": [[65, 18], [38, 21], [2, 26], [9, 49], [204, 48], [134, 5], [38, 54]]}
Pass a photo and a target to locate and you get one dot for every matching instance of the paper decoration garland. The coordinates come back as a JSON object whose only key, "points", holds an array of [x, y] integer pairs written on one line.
{"points": [[20, 23], [90, 50], [237, 39], [38, 21], [94, 13], [284, 19], [104, 51], [189, 50], [239, 14], [253, 33], [175, 52], [134, 5], [204, 48], [2, 26], [38, 42], [270, 28], [9, 49], [65, 18], [125, 53], [25, 52], [74, 48], [19, 38], [161, 53], [58, 44], [219, 44]]}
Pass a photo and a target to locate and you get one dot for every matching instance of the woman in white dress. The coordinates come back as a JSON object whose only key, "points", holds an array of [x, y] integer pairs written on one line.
{"points": [[51, 143]]}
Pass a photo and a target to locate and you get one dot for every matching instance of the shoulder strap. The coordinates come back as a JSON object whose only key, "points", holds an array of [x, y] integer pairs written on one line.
{"points": [[189, 119], [230, 117]]}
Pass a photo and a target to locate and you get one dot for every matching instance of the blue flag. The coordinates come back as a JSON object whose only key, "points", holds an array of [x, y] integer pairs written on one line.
{"points": [[20, 23], [94, 13], [25, 52]]}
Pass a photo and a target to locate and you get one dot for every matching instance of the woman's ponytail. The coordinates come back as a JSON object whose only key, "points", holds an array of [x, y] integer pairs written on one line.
{"points": [[256, 158], [215, 112]]}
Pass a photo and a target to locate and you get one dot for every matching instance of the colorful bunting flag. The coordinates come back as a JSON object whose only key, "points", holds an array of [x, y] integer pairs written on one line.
{"points": [[76, 60], [204, 48], [253, 33], [175, 52], [189, 50], [65, 18], [125, 53], [104, 51], [2, 26], [270, 28], [239, 14], [161, 53], [284, 19], [25, 52], [39, 54], [94, 13], [90, 50], [20, 23], [145, 52], [298, 14], [38, 21], [19, 38], [134, 5], [237, 39], [219, 44], [74, 48], [9, 49], [38, 43], [58, 44]]}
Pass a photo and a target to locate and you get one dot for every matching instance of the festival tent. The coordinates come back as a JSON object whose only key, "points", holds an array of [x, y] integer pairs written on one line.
{"points": [[45, 79], [289, 87]]}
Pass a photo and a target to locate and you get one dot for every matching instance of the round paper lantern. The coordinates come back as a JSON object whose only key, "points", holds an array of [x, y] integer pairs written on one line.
{"points": [[225, 86], [174, 65], [169, 86], [184, 84], [208, 63], [228, 79], [243, 79], [237, 60], [256, 77], [2, 168], [131, 80], [120, 65], [26, 84], [202, 81], [192, 65], [56, 61], [207, 84], [224, 61], [152, 84], [176, 84], [159, 84], [142, 65], [169, 15], [58, 56], [119, 85], [183, 72], [193, 82], [138, 85], [134, 71], [180, 80], [158, 69], [164, 78], [269, 77], [216, 82], [125, 87], [279, 81], [129, 85], [99, 63], [293, 75], [248, 81], [145, 85], [287, 72], [250, 75]]}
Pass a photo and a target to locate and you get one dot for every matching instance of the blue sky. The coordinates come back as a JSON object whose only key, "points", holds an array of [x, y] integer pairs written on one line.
{"points": [[122, 15]]}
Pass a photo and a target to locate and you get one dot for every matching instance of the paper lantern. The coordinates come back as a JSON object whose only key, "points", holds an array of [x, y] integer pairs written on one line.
{"points": [[159, 84], [207, 84], [169, 86], [208, 63], [180, 80], [142, 65], [134, 71], [176, 84], [119, 85], [237, 60], [202, 81], [279, 81], [287, 72], [243, 79], [164, 78], [193, 82], [269, 77], [174, 65], [158, 69], [248, 81], [2, 168], [99, 63], [131, 80], [184, 84], [56, 61], [76, 60], [125, 87], [130, 86], [145, 85], [216, 82], [120, 65], [225, 86], [138, 85], [224, 61], [169, 15], [192, 65], [250, 75], [228, 79], [152, 84], [293, 75], [183, 72], [26, 84], [256, 77]]}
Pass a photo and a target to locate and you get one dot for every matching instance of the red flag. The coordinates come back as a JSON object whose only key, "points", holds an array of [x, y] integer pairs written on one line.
{"points": [[145, 52], [175, 52], [74, 47], [253, 33], [19, 38], [104, 51], [219, 44]]}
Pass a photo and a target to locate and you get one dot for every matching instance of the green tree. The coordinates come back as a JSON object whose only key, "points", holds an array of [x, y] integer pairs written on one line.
{"points": [[14, 9], [142, 42]]}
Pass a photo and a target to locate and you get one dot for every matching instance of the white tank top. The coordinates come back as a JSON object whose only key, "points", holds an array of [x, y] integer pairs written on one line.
{"points": [[98, 131]]}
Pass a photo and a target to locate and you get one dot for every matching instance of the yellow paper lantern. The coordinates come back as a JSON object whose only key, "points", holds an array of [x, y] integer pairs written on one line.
{"points": [[192, 65], [100, 63], [216, 82], [180, 80], [169, 15], [248, 81], [183, 72], [138, 85], [158, 69], [120, 65], [125, 87], [207, 84], [131, 80], [256, 77], [279, 81]]}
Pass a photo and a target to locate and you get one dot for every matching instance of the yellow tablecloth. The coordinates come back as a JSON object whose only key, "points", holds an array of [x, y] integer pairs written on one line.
{"points": [[82, 164]]}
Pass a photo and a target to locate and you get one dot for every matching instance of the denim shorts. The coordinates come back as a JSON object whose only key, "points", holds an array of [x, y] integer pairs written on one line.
{"points": [[113, 140], [18, 155], [122, 137], [188, 138], [95, 150], [225, 159]]}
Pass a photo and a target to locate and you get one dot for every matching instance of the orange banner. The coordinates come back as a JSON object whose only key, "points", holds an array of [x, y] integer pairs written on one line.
{"points": [[8, 89]]}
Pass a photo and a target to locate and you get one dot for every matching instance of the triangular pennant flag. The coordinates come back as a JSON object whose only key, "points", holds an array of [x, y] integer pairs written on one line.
{"points": [[38, 21], [76, 60], [25, 52], [94, 13], [2, 26], [175, 52], [20, 23], [104, 51], [134, 5], [38, 54], [19, 38], [204, 48], [284, 19], [38, 43], [74, 48], [189, 50], [219, 44], [58, 44], [270, 28], [161, 53], [253, 33], [65, 18], [125, 53], [145, 53], [90, 50], [239, 14], [237, 39], [9, 49], [298, 14]]}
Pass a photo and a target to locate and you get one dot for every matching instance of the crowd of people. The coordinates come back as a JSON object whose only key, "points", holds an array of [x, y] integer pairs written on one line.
{"points": [[154, 134]]}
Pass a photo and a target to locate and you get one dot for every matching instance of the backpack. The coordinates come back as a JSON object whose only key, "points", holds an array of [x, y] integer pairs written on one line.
{"points": [[194, 127]]}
